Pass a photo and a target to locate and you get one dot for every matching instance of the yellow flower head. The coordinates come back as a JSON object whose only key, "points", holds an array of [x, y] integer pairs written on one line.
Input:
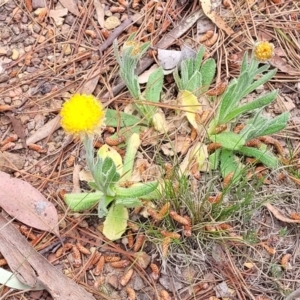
{"points": [[263, 51], [135, 47], [82, 114]]}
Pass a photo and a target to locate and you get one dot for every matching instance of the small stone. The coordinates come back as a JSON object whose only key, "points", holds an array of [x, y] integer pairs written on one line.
{"points": [[24, 19], [65, 29], [112, 22], [67, 49], [2, 51], [38, 4], [42, 53], [7, 100], [36, 28], [69, 20], [29, 41], [16, 29], [143, 259], [108, 13], [31, 125], [28, 48], [9, 53], [5, 34], [41, 39], [137, 283], [138, 18], [15, 54], [36, 61], [81, 49], [113, 281], [31, 69], [25, 88], [58, 21], [38, 11]]}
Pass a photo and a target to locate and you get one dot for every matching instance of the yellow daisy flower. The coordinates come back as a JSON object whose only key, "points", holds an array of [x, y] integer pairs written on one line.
{"points": [[263, 51], [82, 114]]}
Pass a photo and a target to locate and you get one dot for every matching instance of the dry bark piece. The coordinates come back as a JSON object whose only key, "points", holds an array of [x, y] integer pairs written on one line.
{"points": [[44, 131], [34, 268]]}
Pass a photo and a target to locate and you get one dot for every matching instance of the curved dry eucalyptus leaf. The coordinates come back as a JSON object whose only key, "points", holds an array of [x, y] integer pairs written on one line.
{"points": [[278, 215], [22, 201], [71, 5], [217, 19]]}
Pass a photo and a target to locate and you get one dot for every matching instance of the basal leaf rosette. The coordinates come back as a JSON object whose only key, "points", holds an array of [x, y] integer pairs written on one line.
{"points": [[82, 114]]}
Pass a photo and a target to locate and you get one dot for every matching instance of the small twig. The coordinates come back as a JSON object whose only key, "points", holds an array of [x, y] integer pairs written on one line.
{"points": [[76, 181], [114, 35]]}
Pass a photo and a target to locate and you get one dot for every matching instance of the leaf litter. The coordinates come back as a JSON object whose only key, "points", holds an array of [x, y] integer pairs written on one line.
{"points": [[77, 71]]}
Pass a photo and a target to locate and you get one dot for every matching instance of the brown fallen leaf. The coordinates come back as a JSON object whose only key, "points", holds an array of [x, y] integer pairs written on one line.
{"points": [[18, 128], [71, 6], [278, 215], [22, 201], [217, 19], [282, 65], [99, 12]]}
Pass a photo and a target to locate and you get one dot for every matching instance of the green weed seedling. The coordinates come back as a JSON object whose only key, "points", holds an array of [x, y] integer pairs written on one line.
{"points": [[230, 112], [110, 174], [195, 79], [128, 59]]}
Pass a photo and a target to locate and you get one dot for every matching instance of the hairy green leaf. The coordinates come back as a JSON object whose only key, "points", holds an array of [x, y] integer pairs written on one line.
{"points": [[82, 201], [116, 222], [228, 140], [208, 70], [117, 118], [265, 157], [257, 103]]}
